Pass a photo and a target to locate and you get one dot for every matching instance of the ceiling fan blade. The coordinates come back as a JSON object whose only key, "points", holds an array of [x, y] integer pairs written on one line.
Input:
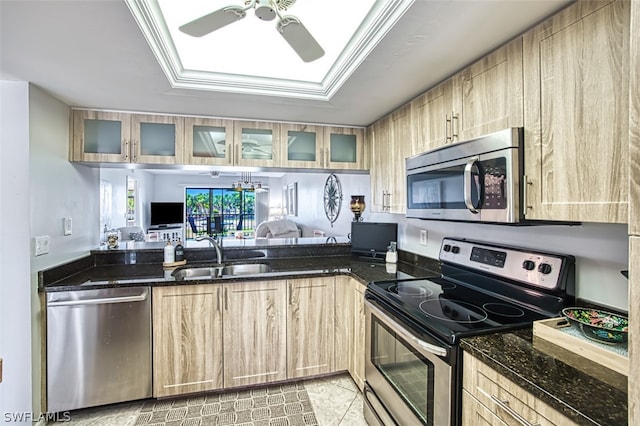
{"points": [[299, 38], [213, 21]]}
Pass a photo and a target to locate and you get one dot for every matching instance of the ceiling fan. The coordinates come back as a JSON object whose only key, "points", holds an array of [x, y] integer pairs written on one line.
{"points": [[290, 27]]}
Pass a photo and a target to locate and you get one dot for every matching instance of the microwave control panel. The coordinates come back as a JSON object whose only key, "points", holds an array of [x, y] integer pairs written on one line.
{"points": [[534, 268]]}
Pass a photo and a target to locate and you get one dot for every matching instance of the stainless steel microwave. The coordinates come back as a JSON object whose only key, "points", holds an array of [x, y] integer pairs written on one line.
{"points": [[478, 180]]}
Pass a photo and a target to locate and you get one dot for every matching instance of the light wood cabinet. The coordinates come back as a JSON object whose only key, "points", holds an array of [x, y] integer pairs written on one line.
{"points": [[576, 115], [343, 322], [187, 339], [492, 399], [310, 327], [208, 141], [390, 146], [256, 144], [255, 332], [431, 115], [303, 145], [358, 345], [115, 137]]}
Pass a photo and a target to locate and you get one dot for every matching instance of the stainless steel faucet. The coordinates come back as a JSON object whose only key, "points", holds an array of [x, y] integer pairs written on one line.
{"points": [[213, 243]]}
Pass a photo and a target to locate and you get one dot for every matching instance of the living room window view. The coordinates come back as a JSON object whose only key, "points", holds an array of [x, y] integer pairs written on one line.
{"points": [[219, 212]]}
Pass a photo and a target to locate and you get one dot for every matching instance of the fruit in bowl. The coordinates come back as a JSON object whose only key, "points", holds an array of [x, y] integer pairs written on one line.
{"points": [[599, 325]]}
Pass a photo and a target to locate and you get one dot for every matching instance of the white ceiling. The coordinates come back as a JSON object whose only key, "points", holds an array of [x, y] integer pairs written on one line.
{"points": [[92, 54]]}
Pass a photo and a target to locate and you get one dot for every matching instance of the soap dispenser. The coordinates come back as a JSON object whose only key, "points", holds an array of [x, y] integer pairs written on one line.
{"points": [[392, 254], [169, 253]]}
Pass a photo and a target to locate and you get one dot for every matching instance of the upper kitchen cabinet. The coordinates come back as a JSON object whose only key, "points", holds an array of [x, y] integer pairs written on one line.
{"points": [[256, 144], [303, 145], [114, 137], [322, 147], [208, 141], [390, 144], [431, 117], [485, 97], [100, 136], [344, 148], [577, 114]]}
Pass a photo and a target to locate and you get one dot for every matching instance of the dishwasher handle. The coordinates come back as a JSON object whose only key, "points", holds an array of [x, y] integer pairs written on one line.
{"points": [[102, 300]]}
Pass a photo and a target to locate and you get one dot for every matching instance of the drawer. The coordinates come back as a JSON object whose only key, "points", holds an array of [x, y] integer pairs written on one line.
{"points": [[506, 400]]}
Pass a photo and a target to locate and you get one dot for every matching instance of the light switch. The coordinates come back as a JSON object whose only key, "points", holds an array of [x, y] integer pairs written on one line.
{"points": [[67, 225], [41, 245]]}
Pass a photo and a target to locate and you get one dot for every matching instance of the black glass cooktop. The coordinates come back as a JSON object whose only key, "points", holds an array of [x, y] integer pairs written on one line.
{"points": [[451, 310]]}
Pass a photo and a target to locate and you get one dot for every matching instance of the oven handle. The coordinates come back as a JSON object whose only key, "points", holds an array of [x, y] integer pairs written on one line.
{"points": [[467, 185], [436, 350]]}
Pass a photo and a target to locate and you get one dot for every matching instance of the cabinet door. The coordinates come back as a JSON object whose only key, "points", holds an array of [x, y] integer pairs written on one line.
{"points": [[343, 322], [208, 141], [310, 327], [379, 137], [256, 144], [399, 150], [476, 414], [429, 114], [157, 139], [359, 349], [576, 114], [344, 148], [255, 324], [302, 145], [491, 93], [100, 136], [187, 339]]}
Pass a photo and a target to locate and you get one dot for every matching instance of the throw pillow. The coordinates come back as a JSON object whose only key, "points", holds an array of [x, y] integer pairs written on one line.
{"points": [[136, 236]]}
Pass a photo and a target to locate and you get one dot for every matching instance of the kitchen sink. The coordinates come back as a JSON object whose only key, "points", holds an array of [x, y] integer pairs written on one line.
{"points": [[222, 271]]}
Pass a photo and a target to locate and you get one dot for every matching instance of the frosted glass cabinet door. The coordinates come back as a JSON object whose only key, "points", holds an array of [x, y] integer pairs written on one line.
{"points": [[256, 144], [157, 139], [100, 136], [208, 141], [344, 148], [302, 145]]}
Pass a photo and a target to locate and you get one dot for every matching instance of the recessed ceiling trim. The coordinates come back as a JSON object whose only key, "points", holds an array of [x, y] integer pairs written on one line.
{"points": [[380, 19]]}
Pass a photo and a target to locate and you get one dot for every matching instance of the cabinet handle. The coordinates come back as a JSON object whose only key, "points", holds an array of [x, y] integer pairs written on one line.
{"points": [[447, 121], [504, 404], [321, 157], [226, 299], [237, 159], [125, 151], [290, 292], [525, 198], [134, 156], [454, 134], [218, 298]]}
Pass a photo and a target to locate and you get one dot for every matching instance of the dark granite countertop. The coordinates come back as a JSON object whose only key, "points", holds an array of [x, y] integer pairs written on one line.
{"points": [[575, 386]]}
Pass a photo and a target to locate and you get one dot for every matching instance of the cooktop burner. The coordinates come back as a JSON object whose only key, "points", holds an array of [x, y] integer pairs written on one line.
{"points": [[483, 288]]}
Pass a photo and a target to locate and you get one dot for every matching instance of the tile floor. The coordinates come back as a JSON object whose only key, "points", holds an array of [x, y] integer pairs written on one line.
{"points": [[336, 402]]}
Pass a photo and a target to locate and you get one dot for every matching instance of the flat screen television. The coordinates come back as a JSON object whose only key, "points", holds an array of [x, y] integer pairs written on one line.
{"points": [[371, 239], [166, 213]]}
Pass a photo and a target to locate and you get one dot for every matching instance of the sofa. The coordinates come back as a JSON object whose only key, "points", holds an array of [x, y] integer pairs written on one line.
{"points": [[282, 228]]}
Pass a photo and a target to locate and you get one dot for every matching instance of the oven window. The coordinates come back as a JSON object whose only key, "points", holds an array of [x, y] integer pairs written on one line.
{"points": [[408, 372]]}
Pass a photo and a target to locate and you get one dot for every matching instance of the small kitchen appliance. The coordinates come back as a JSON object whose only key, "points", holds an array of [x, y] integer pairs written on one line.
{"points": [[413, 366]]}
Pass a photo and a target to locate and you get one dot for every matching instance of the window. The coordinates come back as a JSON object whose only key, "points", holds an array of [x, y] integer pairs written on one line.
{"points": [[219, 211]]}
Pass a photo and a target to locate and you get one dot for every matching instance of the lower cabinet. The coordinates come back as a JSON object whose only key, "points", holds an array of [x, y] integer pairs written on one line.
{"points": [[215, 336], [310, 327], [255, 327], [488, 398], [187, 331]]}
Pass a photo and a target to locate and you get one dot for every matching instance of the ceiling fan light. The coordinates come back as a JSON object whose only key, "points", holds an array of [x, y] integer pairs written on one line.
{"points": [[265, 10]]}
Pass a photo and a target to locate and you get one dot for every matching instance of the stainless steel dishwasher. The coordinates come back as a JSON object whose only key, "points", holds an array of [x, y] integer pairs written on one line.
{"points": [[98, 347]]}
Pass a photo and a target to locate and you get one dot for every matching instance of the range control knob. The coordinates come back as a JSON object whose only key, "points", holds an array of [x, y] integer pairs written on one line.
{"points": [[544, 268], [446, 248], [529, 265], [455, 249]]}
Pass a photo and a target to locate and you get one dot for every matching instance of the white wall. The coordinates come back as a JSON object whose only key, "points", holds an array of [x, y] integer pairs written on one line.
{"points": [[15, 291], [118, 180], [57, 189]]}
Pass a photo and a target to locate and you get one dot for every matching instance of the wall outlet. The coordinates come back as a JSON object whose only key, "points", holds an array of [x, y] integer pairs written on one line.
{"points": [[66, 224], [41, 245], [423, 237]]}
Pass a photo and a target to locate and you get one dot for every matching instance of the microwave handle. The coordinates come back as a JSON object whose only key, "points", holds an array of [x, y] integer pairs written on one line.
{"points": [[467, 185]]}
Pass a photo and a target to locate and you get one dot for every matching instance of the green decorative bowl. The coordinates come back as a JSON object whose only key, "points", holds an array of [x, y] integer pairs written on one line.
{"points": [[599, 325]]}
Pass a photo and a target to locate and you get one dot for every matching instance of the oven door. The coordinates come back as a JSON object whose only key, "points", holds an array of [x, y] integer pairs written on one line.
{"points": [[409, 376], [480, 188]]}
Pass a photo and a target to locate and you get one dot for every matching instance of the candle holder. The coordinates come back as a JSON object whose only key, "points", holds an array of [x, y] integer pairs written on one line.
{"points": [[357, 206]]}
